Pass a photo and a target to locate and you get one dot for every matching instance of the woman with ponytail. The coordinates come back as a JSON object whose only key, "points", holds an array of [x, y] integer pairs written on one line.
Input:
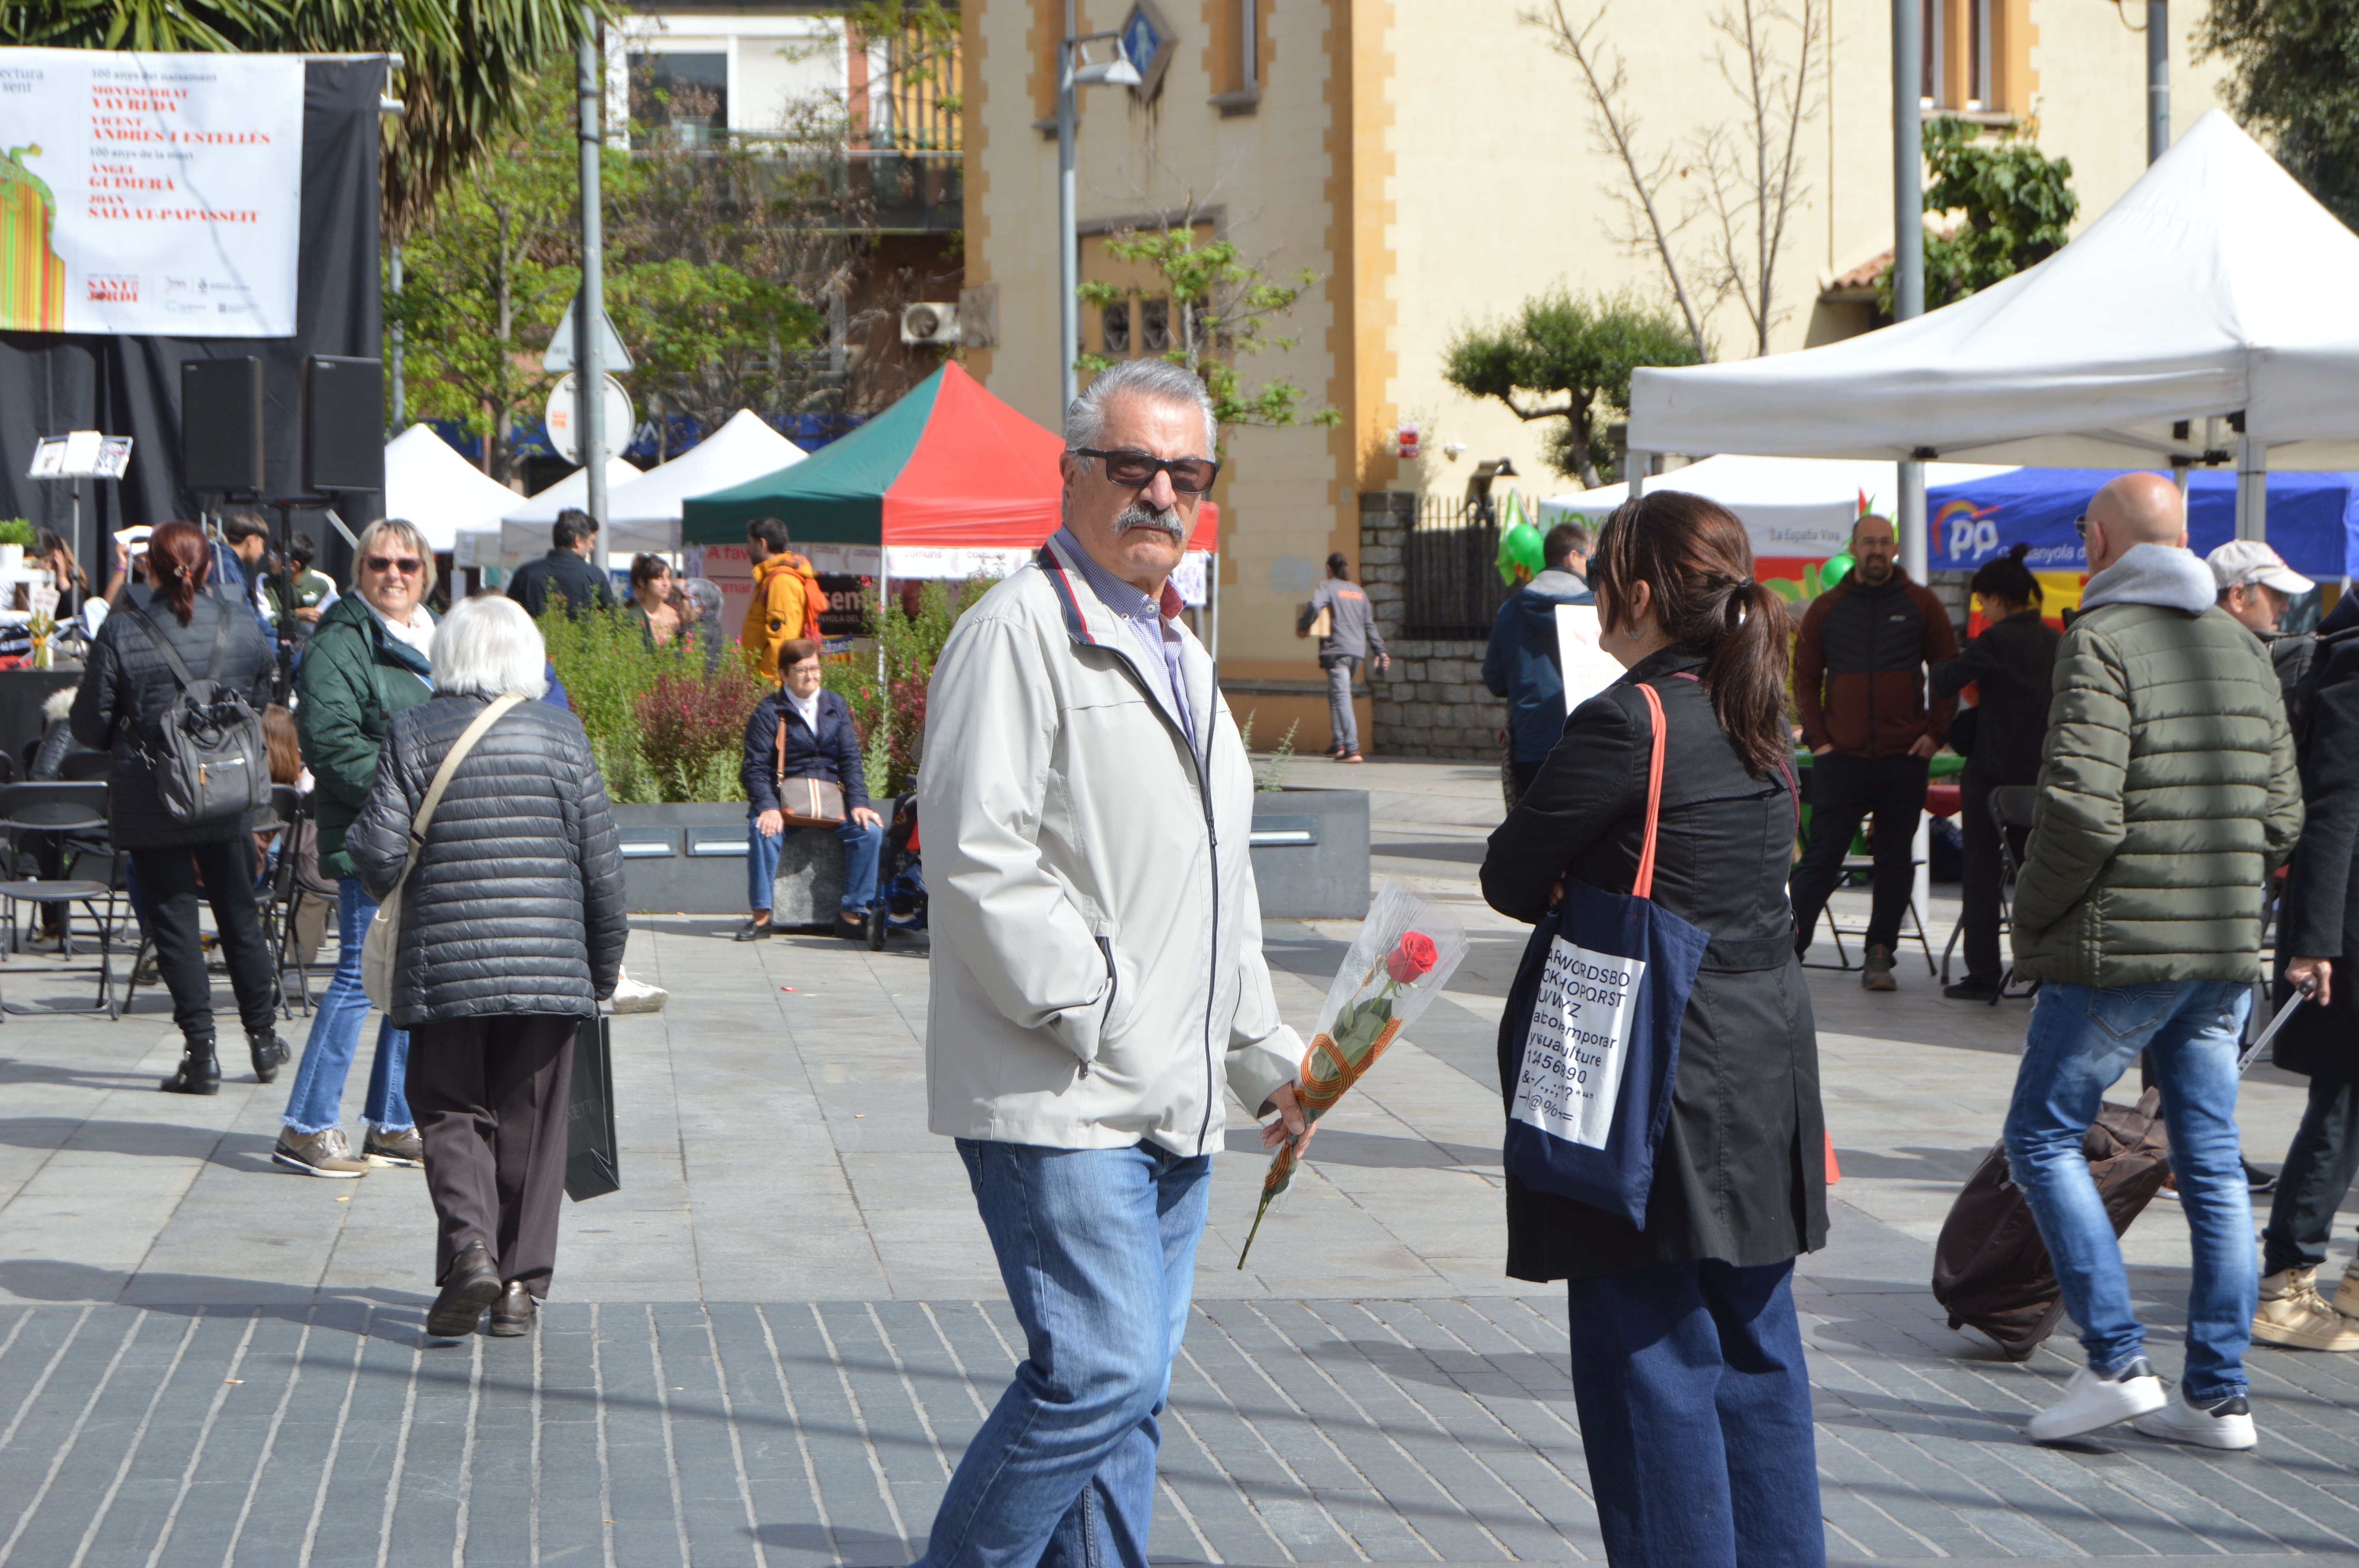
{"points": [[2010, 665], [1687, 1360], [127, 688]]}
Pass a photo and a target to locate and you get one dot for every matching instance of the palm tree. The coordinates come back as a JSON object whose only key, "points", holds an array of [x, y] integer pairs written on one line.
{"points": [[465, 63]]}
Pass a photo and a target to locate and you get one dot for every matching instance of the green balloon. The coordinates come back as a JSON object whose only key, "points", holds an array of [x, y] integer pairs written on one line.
{"points": [[1836, 568], [1519, 546]]}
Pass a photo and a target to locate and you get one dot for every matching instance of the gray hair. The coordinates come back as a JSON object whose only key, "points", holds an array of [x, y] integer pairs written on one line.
{"points": [[1159, 381], [487, 646], [400, 531]]}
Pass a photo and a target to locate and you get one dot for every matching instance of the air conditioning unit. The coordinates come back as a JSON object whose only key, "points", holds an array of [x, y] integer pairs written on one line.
{"points": [[929, 324]]}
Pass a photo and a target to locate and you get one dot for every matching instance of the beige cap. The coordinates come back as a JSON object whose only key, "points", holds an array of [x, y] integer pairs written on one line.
{"points": [[2250, 561]]}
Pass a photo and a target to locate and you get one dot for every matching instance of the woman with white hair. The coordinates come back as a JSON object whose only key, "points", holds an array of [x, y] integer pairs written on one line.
{"points": [[512, 932]]}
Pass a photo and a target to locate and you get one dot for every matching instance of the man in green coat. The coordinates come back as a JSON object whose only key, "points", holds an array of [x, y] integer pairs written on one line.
{"points": [[2168, 796]]}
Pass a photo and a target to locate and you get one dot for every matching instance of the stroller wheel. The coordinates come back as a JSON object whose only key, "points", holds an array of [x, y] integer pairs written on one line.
{"points": [[875, 929]]}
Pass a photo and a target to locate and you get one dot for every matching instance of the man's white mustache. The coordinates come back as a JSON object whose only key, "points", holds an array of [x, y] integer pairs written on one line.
{"points": [[1138, 515]]}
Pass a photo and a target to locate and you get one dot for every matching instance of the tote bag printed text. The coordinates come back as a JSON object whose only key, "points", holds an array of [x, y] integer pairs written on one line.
{"points": [[1578, 1043]]}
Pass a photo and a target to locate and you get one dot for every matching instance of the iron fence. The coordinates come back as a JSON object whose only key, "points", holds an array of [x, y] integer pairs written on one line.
{"points": [[1451, 582]]}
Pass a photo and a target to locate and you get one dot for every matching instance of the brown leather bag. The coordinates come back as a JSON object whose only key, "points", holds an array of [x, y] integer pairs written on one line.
{"points": [[804, 803], [1990, 1267]]}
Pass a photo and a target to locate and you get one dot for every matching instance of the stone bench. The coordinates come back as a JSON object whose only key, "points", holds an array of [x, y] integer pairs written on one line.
{"points": [[810, 888]]}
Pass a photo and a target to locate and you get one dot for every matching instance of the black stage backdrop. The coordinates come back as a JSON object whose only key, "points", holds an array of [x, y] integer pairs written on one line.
{"points": [[52, 382]]}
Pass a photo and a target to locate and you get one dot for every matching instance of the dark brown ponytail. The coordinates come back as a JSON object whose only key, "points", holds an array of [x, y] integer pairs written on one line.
{"points": [[1698, 564], [178, 562]]}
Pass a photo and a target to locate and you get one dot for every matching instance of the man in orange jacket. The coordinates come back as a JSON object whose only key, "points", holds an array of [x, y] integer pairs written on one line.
{"points": [[787, 597]]}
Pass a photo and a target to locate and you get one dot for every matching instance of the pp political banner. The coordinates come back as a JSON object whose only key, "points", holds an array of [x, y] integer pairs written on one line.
{"points": [[149, 194]]}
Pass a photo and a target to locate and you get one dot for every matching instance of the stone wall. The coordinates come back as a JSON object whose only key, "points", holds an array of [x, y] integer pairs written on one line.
{"points": [[1434, 703]]}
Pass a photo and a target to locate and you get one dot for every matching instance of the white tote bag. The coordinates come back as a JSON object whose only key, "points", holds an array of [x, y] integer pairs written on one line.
{"points": [[385, 931]]}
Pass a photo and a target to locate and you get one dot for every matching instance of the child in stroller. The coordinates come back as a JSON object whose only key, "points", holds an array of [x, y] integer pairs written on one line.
{"points": [[900, 877]]}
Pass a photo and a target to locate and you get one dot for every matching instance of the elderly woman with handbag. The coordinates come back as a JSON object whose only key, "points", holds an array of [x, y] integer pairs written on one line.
{"points": [[1668, 807], [488, 842], [802, 769]]}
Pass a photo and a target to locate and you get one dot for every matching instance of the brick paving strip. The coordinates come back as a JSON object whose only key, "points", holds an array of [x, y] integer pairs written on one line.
{"points": [[1438, 1430]]}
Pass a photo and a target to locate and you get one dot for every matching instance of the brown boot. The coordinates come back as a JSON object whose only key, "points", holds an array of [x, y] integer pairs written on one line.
{"points": [[2293, 1314], [1876, 974]]}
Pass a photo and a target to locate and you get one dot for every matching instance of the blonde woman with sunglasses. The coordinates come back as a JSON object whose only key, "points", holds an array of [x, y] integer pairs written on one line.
{"points": [[366, 660]]}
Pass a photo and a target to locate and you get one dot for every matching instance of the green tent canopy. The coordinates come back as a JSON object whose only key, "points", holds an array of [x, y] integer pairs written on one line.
{"points": [[949, 466]]}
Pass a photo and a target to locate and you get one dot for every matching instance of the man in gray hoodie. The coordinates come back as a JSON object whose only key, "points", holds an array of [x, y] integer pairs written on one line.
{"points": [[1352, 640], [2168, 795]]}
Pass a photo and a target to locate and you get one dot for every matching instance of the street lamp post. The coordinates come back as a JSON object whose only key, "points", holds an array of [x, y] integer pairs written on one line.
{"points": [[1072, 74]]}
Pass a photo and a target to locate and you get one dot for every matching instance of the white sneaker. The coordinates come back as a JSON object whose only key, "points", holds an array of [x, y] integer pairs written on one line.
{"points": [[2091, 1403], [637, 996], [2227, 1424]]}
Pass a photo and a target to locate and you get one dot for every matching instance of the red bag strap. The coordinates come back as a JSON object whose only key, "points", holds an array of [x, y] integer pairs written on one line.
{"points": [[1643, 885]]}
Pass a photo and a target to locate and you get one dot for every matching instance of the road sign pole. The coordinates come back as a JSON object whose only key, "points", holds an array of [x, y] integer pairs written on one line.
{"points": [[589, 385]]}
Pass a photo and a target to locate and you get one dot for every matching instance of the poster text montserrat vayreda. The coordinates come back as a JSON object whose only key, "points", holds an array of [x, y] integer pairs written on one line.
{"points": [[32, 274]]}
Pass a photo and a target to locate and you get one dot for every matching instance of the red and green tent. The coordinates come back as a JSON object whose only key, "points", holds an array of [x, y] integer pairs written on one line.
{"points": [[949, 466]]}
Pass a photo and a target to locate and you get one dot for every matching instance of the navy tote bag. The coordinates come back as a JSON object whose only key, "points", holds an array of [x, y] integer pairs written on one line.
{"points": [[1596, 1010]]}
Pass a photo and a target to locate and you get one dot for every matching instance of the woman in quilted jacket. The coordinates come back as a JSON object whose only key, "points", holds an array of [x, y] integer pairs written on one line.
{"points": [[511, 932], [126, 689]]}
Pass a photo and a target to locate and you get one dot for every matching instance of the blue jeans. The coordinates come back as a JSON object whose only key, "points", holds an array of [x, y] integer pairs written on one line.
{"points": [[864, 845], [1695, 1415], [317, 1101], [1097, 1247], [2083, 1039]]}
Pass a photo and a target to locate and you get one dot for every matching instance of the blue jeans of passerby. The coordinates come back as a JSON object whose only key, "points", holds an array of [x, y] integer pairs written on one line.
{"points": [[1097, 1249], [317, 1102], [864, 846], [1695, 1415], [2083, 1039]]}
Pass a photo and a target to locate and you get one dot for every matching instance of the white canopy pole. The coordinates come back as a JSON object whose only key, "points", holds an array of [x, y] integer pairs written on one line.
{"points": [[2252, 487]]}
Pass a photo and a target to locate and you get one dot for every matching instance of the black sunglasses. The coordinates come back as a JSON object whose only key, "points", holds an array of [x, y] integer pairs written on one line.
{"points": [[1136, 470], [2080, 527]]}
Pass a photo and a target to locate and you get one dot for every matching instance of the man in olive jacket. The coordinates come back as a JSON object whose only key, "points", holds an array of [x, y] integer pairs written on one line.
{"points": [[2168, 795]]}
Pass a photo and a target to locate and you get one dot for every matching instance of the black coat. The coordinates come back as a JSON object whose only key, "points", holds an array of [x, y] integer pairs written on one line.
{"points": [[1740, 1174], [2318, 916], [517, 904], [126, 686], [561, 571], [2013, 663], [832, 753]]}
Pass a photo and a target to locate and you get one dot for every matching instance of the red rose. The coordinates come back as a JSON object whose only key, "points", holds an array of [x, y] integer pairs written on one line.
{"points": [[1413, 957]]}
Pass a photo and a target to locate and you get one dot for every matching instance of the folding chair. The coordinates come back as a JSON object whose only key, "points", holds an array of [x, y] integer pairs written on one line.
{"points": [[76, 812]]}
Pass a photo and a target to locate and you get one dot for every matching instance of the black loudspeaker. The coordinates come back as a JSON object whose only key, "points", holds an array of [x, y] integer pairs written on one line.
{"points": [[343, 425], [220, 426]]}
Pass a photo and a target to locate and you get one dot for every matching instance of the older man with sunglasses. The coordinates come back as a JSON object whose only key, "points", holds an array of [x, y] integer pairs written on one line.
{"points": [[1097, 973]]}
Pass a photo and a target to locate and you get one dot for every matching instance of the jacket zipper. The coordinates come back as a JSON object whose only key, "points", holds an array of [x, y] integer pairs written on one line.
{"points": [[1213, 867], [1113, 992]]}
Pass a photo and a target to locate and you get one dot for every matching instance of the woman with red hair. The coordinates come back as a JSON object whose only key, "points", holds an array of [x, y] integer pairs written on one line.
{"points": [[125, 690]]}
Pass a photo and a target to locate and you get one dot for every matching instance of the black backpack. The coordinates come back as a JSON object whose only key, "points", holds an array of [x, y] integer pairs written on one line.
{"points": [[211, 763]]}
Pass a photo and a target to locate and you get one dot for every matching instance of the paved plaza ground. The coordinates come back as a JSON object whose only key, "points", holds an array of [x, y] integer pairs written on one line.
{"points": [[772, 1345]]}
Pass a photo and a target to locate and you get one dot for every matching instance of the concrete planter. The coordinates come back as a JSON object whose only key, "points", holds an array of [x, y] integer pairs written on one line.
{"points": [[1311, 853], [1310, 858]]}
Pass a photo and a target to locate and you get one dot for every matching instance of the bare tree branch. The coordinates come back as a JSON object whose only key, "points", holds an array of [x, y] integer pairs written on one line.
{"points": [[1616, 130], [1753, 191]]}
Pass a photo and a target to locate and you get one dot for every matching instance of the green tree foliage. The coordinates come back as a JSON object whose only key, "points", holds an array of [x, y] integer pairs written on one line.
{"points": [[2297, 83], [467, 65], [701, 252], [1217, 308], [2019, 205], [1570, 360]]}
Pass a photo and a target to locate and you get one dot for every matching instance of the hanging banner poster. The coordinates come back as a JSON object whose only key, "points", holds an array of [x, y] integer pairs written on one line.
{"points": [[149, 194]]}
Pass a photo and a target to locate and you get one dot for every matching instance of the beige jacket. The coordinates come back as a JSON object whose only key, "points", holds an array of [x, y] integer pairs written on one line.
{"points": [[1097, 966]]}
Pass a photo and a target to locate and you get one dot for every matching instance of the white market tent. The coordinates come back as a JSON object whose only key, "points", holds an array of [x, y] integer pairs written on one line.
{"points": [[2215, 285], [524, 527], [744, 449], [445, 495], [1791, 507]]}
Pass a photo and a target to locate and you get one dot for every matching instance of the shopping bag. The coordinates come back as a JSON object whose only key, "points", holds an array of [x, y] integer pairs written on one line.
{"points": [[593, 1165], [1596, 1010]]}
